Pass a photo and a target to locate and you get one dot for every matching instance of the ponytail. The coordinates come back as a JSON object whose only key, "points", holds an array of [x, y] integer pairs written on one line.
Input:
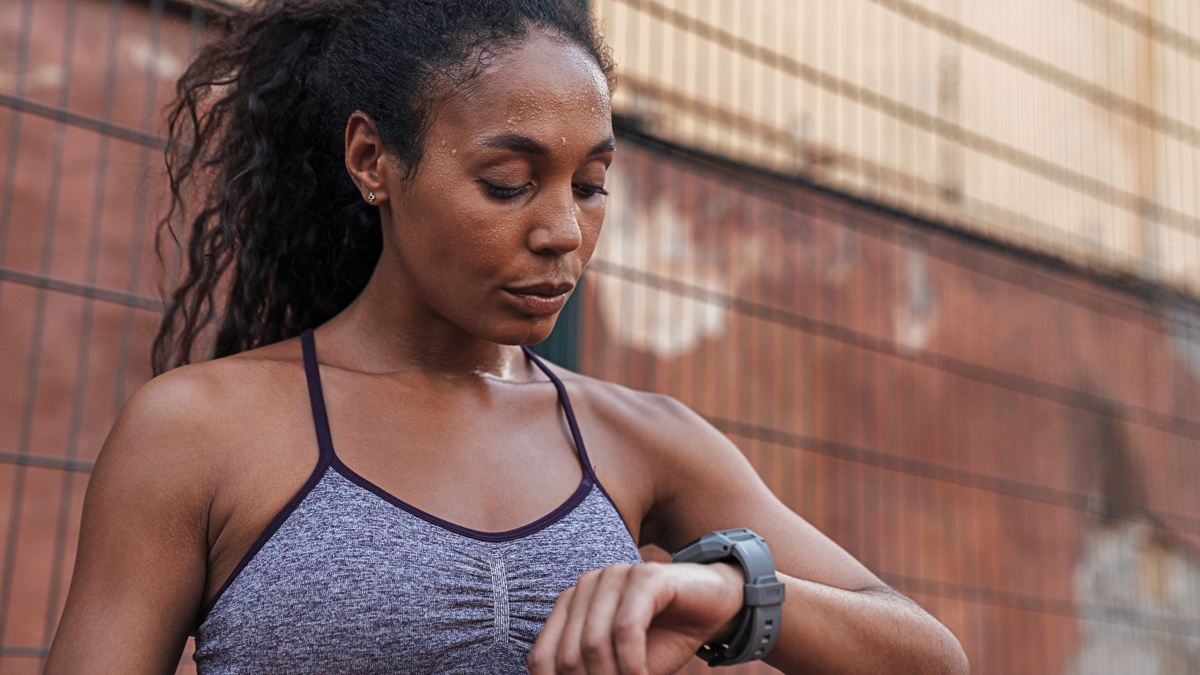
{"points": [[280, 223], [281, 240]]}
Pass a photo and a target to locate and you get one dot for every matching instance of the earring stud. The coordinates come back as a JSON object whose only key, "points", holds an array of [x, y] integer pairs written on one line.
{"points": [[371, 197]]}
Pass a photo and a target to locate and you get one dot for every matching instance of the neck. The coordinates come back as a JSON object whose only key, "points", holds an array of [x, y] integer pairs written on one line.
{"points": [[387, 330]]}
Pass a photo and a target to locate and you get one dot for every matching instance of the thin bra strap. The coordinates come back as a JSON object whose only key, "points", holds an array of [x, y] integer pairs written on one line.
{"points": [[321, 420], [566, 404], [317, 398]]}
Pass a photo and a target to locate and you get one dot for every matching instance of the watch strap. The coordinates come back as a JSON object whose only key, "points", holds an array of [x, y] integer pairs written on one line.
{"points": [[763, 593]]}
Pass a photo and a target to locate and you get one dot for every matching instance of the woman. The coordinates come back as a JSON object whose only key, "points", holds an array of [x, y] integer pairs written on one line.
{"points": [[422, 183]]}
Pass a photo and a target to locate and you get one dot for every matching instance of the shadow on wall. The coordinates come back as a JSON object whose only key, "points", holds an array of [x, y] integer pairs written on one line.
{"points": [[1137, 591]]}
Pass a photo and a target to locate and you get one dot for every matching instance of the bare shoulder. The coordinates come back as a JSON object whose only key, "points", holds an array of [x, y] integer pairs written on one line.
{"points": [[147, 526], [654, 423], [671, 471], [189, 419], [700, 482]]}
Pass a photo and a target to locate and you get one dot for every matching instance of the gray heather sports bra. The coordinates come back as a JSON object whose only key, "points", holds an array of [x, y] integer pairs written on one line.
{"points": [[350, 579]]}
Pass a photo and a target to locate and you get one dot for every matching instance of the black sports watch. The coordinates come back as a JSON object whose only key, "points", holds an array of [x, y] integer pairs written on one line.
{"points": [[759, 631]]}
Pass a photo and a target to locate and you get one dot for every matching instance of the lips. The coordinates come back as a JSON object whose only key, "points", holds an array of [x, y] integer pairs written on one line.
{"points": [[541, 299], [547, 289]]}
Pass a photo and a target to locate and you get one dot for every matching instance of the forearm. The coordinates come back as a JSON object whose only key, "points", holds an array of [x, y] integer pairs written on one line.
{"points": [[830, 630]]}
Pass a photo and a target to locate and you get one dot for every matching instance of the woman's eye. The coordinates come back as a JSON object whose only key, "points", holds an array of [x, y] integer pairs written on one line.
{"points": [[501, 192], [590, 190]]}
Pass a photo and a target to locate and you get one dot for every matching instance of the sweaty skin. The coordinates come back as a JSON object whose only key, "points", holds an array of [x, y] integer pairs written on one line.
{"points": [[429, 398]]}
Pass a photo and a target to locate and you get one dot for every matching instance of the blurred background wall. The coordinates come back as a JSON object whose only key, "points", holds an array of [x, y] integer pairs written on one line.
{"points": [[932, 264]]}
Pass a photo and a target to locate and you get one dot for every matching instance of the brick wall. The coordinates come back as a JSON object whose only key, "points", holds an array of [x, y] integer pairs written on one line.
{"points": [[1012, 443], [987, 431]]}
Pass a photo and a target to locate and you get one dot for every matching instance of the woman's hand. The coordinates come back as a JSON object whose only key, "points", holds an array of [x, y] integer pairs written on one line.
{"points": [[643, 619]]}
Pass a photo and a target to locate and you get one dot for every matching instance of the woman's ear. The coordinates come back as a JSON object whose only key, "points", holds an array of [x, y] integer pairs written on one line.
{"points": [[366, 158]]}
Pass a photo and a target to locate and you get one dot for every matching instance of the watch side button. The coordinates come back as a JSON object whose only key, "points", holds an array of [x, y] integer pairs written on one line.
{"points": [[764, 593]]}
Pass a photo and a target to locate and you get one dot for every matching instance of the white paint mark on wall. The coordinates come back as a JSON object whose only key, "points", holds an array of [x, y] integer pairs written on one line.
{"points": [[1136, 588], [641, 243], [917, 316], [143, 53], [1134, 593], [840, 262], [1185, 338], [45, 76]]}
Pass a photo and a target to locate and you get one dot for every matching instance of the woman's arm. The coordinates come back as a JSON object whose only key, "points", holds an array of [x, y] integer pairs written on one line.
{"points": [[140, 567], [838, 617]]}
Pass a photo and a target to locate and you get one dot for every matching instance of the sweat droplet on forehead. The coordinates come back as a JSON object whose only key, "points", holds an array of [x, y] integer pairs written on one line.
{"points": [[542, 90]]}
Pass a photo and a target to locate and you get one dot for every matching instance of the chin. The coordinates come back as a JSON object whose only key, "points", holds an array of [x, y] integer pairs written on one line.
{"points": [[528, 332]]}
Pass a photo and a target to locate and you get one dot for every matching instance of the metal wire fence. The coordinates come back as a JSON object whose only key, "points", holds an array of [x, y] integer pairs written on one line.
{"points": [[932, 321]]}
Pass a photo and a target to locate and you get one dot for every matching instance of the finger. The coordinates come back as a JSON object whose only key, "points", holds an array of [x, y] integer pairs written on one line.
{"points": [[647, 593], [596, 639], [569, 657], [542, 657]]}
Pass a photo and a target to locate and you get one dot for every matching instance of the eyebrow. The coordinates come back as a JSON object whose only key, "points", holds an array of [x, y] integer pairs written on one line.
{"points": [[528, 146]]}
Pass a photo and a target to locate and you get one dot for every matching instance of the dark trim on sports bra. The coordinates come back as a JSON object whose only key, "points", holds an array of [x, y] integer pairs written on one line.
{"points": [[324, 457], [581, 492], [565, 400], [327, 458], [585, 483]]}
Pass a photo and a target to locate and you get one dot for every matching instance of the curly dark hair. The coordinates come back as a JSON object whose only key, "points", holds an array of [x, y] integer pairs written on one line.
{"points": [[280, 239]]}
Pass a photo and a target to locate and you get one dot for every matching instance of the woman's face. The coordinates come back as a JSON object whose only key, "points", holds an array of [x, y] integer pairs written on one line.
{"points": [[495, 228]]}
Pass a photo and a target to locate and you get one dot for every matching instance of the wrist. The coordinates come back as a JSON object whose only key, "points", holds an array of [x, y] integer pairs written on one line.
{"points": [[762, 594], [735, 580]]}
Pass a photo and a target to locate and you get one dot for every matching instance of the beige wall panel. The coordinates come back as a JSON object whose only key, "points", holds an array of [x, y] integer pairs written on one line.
{"points": [[1066, 126]]}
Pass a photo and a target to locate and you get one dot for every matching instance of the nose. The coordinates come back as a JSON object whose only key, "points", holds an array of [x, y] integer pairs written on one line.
{"points": [[556, 224]]}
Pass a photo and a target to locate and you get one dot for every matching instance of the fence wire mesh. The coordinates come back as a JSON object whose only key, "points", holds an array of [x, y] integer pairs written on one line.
{"points": [[932, 265]]}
